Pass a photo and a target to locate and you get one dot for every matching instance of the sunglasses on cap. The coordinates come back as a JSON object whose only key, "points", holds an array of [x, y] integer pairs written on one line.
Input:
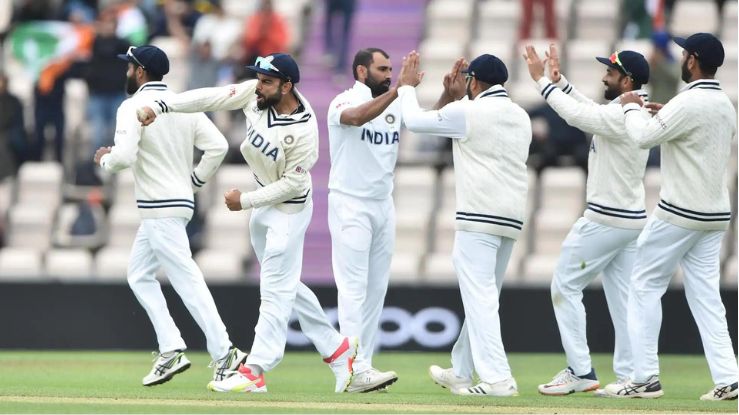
{"points": [[130, 54], [616, 61], [266, 64]]}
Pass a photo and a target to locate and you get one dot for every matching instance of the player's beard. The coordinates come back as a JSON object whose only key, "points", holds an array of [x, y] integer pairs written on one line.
{"points": [[377, 88], [268, 101], [611, 92], [131, 85], [685, 75]]}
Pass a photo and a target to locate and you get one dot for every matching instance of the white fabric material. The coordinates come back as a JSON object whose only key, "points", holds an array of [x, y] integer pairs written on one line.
{"points": [[660, 248], [160, 155], [277, 238], [480, 261], [220, 32], [363, 241], [163, 242], [695, 130], [615, 187], [590, 249], [363, 158], [490, 155], [279, 157]]}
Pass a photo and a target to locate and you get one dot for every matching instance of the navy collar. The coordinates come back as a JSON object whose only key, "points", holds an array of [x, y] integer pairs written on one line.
{"points": [[494, 91], [703, 84], [153, 86]]}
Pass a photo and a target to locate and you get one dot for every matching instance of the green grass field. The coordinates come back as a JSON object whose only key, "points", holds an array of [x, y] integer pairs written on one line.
{"points": [[109, 382]]}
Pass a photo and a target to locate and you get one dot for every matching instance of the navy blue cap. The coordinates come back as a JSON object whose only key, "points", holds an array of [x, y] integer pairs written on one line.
{"points": [[149, 57], [280, 65], [705, 46], [629, 63], [489, 69]]}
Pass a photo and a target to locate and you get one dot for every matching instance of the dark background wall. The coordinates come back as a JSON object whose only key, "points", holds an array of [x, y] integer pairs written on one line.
{"points": [[88, 316]]}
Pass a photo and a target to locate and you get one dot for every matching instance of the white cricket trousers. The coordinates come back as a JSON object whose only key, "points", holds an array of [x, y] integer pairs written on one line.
{"points": [[589, 249], [660, 248], [163, 242], [480, 261], [362, 241], [277, 238]]}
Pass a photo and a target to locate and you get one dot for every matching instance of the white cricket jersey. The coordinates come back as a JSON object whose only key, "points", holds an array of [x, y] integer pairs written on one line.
{"points": [[161, 154], [363, 158], [279, 148], [491, 135], [694, 130], [615, 186]]}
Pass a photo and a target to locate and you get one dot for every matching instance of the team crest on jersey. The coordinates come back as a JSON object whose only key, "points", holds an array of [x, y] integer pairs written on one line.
{"points": [[288, 139], [390, 118]]}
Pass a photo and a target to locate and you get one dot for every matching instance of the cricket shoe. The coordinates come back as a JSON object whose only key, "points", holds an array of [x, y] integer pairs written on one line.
{"points": [[507, 387], [342, 361], [227, 364], [447, 379], [242, 380], [601, 392], [722, 393], [650, 389], [566, 382], [371, 380], [166, 365]]}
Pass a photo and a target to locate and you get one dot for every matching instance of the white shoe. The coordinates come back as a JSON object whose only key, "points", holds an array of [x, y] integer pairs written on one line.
{"points": [[228, 363], [242, 380], [166, 365], [566, 382], [601, 392], [722, 393], [371, 380], [447, 379], [342, 361], [650, 389], [507, 387]]}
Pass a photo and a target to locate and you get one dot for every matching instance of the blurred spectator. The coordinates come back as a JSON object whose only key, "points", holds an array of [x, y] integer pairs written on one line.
{"points": [[636, 23], [669, 6], [265, 32], [341, 12], [175, 18], [550, 18], [13, 146], [37, 10], [665, 69], [213, 41], [131, 22], [106, 78], [553, 138]]}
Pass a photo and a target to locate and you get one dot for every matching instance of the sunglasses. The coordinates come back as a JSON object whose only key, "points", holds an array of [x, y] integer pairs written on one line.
{"points": [[615, 60], [129, 53], [266, 64]]}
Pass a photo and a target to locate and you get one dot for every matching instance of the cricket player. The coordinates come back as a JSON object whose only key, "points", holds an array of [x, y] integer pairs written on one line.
{"points": [[695, 130], [161, 159], [603, 240], [281, 146], [363, 132], [491, 137]]}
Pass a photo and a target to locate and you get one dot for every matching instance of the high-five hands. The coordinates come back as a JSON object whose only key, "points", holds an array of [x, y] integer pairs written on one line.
{"points": [[454, 82], [409, 74], [534, 62], [552, 62]]}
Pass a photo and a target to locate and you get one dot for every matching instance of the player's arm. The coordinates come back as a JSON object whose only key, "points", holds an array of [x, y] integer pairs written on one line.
{"points": [[537, 67], [214, 147], [604, 120], [229, 97], [448, 121], [569, 89], [668, 124], [299, 159], [366, 112], [127, 136]]}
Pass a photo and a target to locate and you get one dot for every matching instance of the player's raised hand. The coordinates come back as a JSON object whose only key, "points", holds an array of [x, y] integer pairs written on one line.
{"points": [[553, 63], [145, 115], [99, 153], [233, 199], [454, 82], [536, 65], [409, 74]]}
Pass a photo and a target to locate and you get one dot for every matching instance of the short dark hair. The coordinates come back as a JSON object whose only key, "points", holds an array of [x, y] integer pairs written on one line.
{"points": [[705, 68], [364, 58]]}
